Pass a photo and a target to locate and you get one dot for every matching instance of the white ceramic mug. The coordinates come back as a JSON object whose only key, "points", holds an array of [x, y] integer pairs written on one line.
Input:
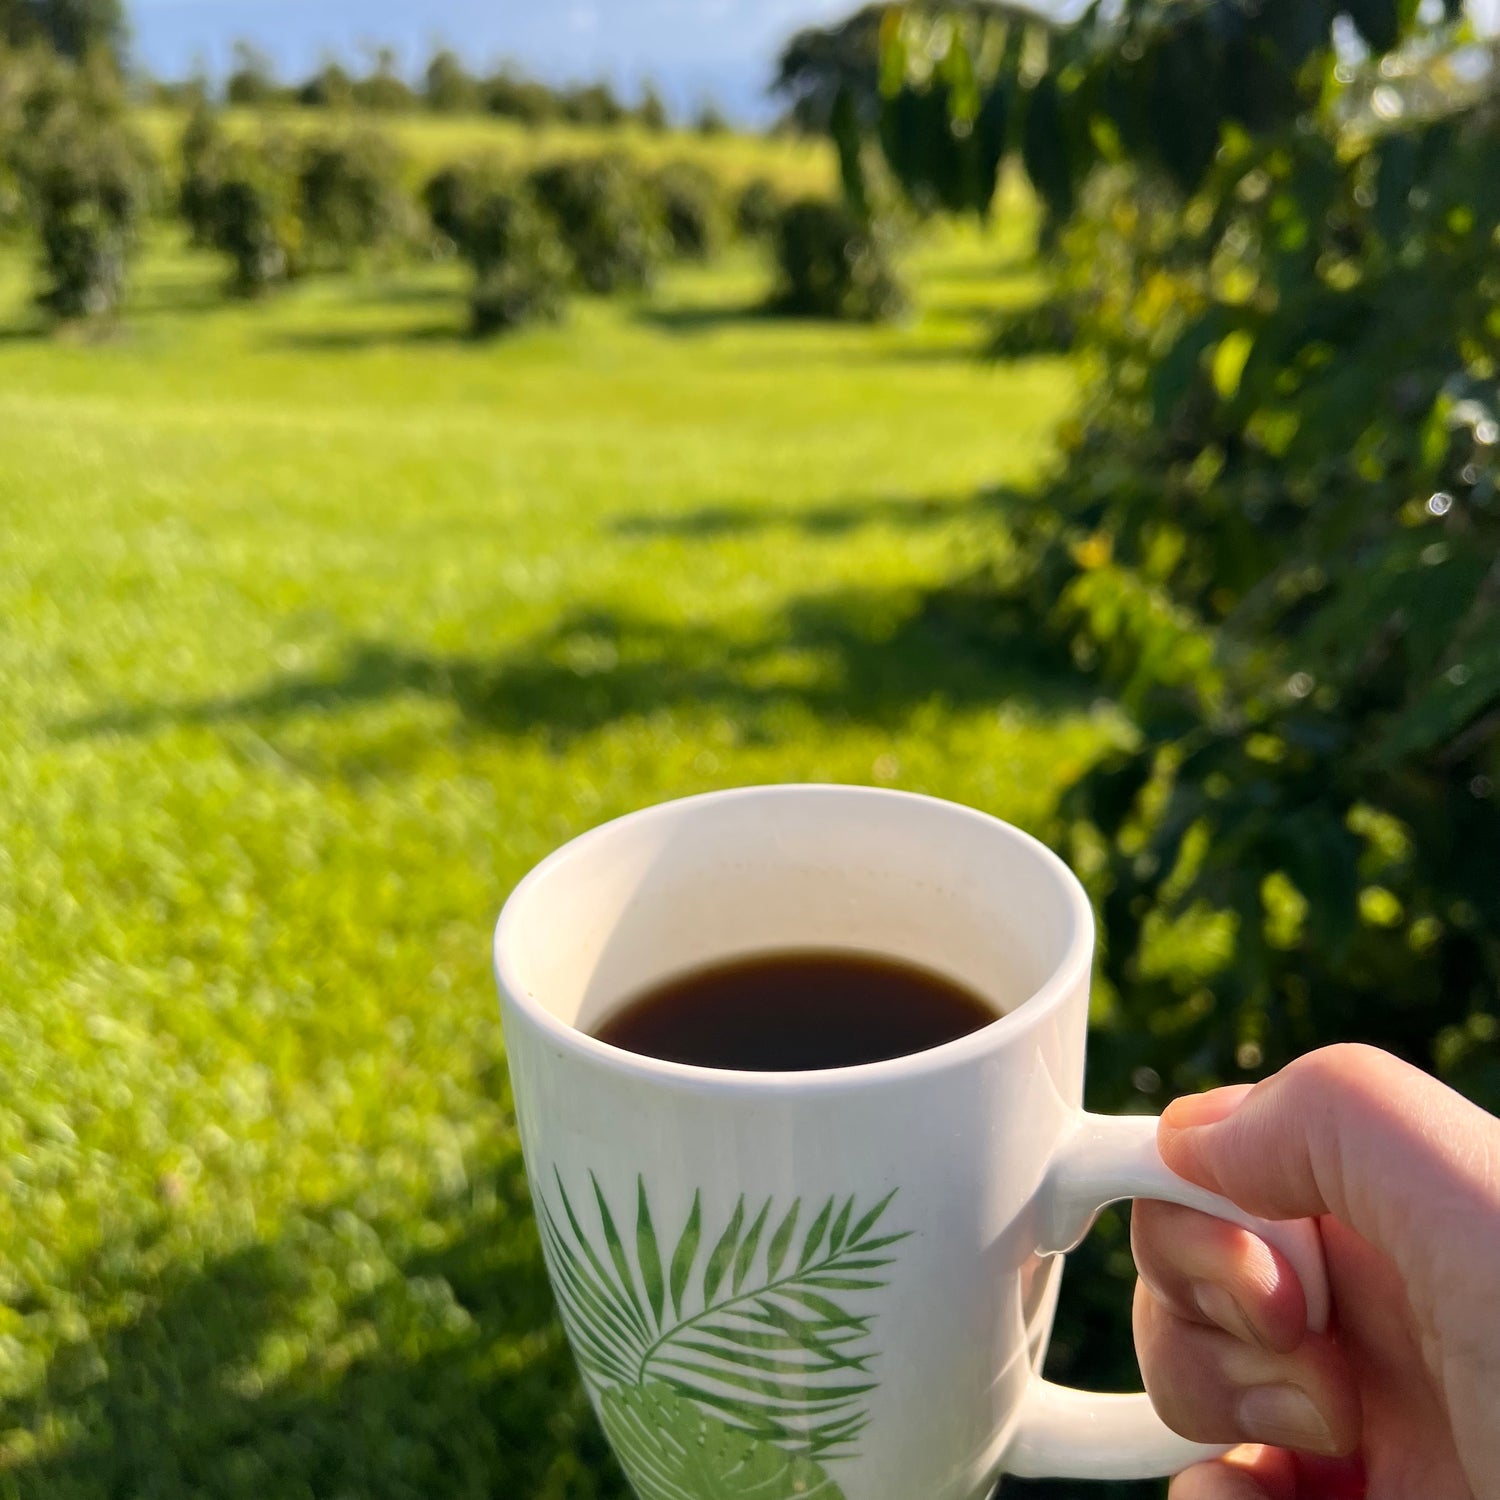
{"points": [[831, 1285]]}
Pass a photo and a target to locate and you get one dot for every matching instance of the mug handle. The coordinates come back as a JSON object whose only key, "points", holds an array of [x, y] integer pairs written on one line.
{"points": [[1068, 1434]]}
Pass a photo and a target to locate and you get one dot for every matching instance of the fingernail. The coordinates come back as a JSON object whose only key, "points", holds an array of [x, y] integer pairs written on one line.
{"points": [[1224, 1312], [1204, 1109], [1286, 1416]]}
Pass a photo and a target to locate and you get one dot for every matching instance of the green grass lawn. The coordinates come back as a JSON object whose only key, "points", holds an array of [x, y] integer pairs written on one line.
{"points": [[318, 626]]}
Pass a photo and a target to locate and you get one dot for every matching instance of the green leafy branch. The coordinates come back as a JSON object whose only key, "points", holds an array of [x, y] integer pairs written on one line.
{"points": [[779, 1355]]}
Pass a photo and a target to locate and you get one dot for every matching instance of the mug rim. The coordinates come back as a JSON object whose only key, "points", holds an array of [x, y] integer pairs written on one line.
{"points": [[1044, 1000]]}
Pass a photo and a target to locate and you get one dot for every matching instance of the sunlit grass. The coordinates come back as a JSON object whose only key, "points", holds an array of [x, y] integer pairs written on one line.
{"points": [[320, 624]]}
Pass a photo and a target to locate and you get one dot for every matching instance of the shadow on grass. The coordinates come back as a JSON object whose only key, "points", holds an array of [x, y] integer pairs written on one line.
{"points": [[454, 331], [838, 518], [342, 1360], [705, 319], [855, 655], [269, 1374]]}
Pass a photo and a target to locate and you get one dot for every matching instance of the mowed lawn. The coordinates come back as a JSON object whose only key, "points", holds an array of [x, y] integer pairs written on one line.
{"points": [[319, 625]]}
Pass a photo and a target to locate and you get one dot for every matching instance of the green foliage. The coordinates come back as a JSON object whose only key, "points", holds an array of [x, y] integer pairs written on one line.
{"points": [[331, 87], [652, 111], [74, 168], [383, 87], [521, 271], [88, 180], [1295, 461], [254, 215], [758, 208], [201, 148], [605, 218], [452, 194], [512, 96], [710, 120], [590, 104], [252, 78], [447, 84], [691, 207], [964, 88], [74, 29], [834, 264], [351, 197]]}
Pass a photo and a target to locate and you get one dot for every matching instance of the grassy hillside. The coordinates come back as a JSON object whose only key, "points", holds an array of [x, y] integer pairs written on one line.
{"points": [[321, 625]]}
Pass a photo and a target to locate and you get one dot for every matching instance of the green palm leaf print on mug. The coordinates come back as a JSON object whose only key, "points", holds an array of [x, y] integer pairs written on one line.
{"points": [[733, 1365]]}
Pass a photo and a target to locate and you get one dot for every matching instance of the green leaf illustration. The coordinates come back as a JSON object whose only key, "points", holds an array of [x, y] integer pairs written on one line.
{"points": [[869, 1221], [723, 1252], [815, 1235], [840, 1224], [782, 1239], [783, 1362], [646, 1254], [671, 1450], [746, 1253], [685, 1253], [617, 1253]]}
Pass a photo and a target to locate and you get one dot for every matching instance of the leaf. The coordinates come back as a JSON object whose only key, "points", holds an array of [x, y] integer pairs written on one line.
{"points": [[646, 1253], [1228, 362], [829, 1310], [747, 1249], [671, 1450], [685, 1253], [840, 1224], [619, 1302], [781, 1240], [815, 1235], [1045, 149], [617, 1254], [991, 138], [595, 1327], [1377, 21], [881, 1242], [723, 1252], [871, 1219]]}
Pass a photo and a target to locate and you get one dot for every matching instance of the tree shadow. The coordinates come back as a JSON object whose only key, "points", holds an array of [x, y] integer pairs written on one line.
{"points": [[851, 655], [837, 518], [374, 1358], [689, 320], [453, 331], [340, 1359]]}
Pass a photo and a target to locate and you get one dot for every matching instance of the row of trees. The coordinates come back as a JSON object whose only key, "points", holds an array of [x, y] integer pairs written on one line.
{"points": [[80, 29], [446, 86], [278, 205]]}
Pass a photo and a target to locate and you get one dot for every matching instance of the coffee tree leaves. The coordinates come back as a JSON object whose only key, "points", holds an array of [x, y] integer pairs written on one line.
{"points": [[1377, 21]]}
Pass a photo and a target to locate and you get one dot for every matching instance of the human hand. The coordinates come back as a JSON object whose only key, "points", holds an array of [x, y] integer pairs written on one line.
{"points": [[1401, 1398]]}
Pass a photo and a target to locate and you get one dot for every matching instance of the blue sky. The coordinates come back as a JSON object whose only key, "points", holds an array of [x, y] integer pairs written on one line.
{"points": [[692, 47]]}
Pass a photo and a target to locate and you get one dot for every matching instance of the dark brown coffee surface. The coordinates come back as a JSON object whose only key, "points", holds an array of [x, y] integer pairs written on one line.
{"points": [[795, 1010]]}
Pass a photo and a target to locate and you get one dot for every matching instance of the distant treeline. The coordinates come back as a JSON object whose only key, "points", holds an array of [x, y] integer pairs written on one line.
{"points": [[446, 86]]}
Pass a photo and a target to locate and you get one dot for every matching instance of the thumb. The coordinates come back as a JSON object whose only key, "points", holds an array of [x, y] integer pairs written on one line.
{"points": [[1348, 1131]]}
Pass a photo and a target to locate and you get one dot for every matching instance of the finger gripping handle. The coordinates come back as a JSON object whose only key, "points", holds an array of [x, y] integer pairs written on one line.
{"points": [[1067, 1434]]}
